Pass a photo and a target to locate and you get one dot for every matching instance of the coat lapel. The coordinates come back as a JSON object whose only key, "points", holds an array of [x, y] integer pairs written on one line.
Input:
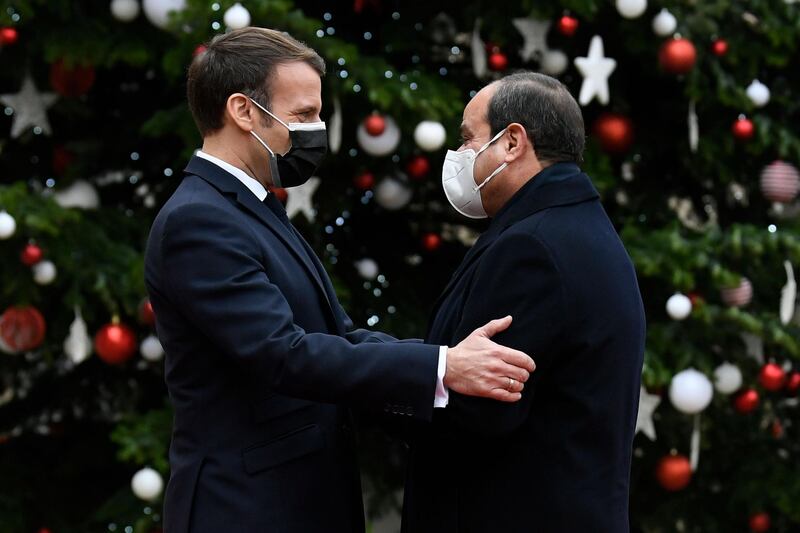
{"points": [[229, 184], [558, 184]]}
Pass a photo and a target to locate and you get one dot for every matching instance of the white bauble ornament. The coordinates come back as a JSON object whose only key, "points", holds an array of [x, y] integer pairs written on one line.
{"points": [[147, 484], [430, 135], [631, 9], [367, 268], [738, 296], [78, 344], [8, 226], [236, 17], [379, 145], [151, 348], [780, 182], [665, 23], [690, 391], [44, 272], [679, 306], [80, 194], [157, 11], [554, 62], [758, 93], [125, 10], [392, 194], [727, 378]]}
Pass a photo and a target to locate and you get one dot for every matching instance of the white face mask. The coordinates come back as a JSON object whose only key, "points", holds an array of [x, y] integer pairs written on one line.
{"points": [[458, 180]]}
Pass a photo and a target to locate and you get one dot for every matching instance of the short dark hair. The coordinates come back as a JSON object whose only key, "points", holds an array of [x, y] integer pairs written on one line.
{"points": [[240, 61], [544, 107]]}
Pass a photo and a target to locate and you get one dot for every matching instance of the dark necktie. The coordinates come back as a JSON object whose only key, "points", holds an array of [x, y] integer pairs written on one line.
{"points": [[276, 207]]}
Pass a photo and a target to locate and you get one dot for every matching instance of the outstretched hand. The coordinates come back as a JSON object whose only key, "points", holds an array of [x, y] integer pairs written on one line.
{"points": [[477, 366]]}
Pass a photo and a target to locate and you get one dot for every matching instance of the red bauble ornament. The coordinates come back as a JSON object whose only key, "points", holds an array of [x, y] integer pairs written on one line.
{"points": [[743, 129], [760, 522], [677, 56], [498, 61], [71, 81], [8, 36], [375, 124], [615, 132], [746, 401], [567, 25], [364, 181], [793, 383], [199, 49], [115, 343], [31, 254], [280, 193], [21, 329], [674, 472], [772, 377], [44, 530], [418, 167], [146, 314], [719, 47], [431, 241]]}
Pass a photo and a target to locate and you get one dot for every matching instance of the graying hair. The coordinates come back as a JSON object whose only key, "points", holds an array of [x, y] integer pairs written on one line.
{"points": [[544, 107]]}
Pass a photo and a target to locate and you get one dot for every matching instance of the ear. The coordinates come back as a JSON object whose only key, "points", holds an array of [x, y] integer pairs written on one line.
{"points": [[516, 143], [239, 111]]}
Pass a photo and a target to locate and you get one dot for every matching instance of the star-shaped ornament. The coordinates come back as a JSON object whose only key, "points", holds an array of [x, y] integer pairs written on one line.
{"points": [[299, 199], [535, 34], [644, 419], [29, 107], [595, 69]]}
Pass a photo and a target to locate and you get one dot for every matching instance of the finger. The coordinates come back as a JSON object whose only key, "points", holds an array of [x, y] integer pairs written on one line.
{"points": [[517, 358], [506, 383], [514, 372], [505, 396], [495, 326]]}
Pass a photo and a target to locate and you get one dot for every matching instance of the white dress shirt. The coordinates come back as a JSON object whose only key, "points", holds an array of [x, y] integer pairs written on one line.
{"points": [[442, 395]]}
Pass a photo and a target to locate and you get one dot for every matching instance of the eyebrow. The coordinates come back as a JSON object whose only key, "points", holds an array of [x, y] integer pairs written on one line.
{"points": [[464, 129], [305, 109]]}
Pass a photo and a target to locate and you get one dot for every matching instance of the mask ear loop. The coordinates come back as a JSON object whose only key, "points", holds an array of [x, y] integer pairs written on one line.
{"points": [[490, 176], [485, 146], [265, 145], [499, 169], [268, 112]]}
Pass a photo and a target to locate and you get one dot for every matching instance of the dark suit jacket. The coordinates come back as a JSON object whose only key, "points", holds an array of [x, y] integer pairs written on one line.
{"points": [[559, 460], [250, 324]]}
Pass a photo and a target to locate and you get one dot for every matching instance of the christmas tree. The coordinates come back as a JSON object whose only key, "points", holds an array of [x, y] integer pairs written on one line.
{"points": [[690, 108]]}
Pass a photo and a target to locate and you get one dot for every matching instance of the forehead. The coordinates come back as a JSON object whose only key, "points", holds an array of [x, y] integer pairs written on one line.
{"points": [[475, 113], [296, 84]]}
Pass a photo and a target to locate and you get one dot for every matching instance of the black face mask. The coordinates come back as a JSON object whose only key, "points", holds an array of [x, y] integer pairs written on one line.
{"points": [[309, 146]]}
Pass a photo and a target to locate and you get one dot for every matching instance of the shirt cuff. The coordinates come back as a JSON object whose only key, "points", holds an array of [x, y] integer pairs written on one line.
{"points": [[442, 395]]}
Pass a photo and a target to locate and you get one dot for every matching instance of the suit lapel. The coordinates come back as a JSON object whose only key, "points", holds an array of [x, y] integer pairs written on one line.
{"points": [[472, 255], [226, 183], [324, 280]]}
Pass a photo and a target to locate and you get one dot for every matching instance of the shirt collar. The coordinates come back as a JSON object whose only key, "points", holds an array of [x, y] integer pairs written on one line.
{"points": [[251, 183]]}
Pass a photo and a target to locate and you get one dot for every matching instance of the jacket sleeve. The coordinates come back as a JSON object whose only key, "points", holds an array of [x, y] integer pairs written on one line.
{"points": [[518, 278], [213, 271]]}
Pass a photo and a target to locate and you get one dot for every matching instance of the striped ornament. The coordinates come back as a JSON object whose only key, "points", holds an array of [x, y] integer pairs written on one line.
{"points": [[780, 182], [738, 296]]}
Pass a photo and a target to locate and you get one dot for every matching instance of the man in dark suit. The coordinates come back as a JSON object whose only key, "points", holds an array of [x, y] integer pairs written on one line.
{"points": [[559, 460], [260, 356]]}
